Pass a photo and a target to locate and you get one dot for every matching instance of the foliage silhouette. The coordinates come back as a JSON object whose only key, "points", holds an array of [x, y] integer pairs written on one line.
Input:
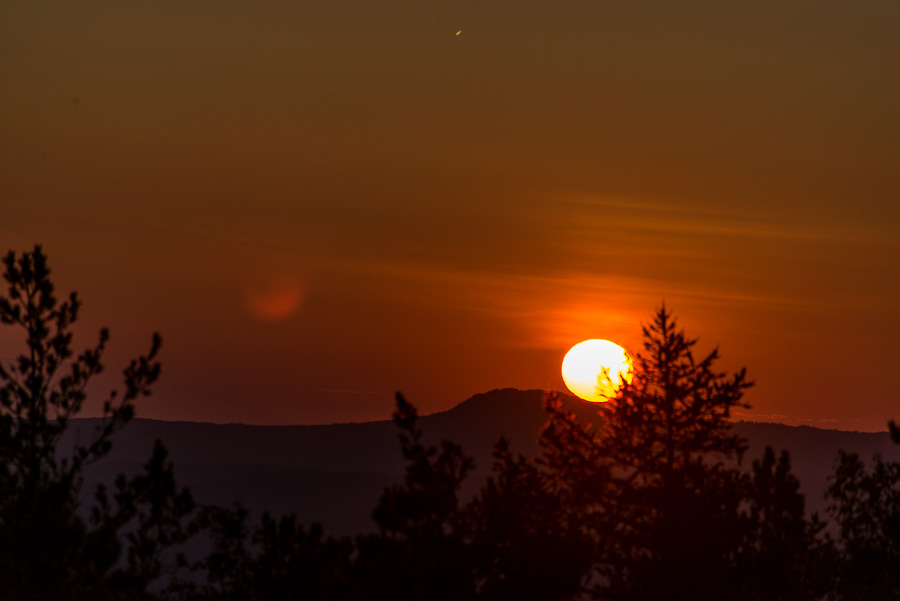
{"points": [[279, 559], [782, 556], [420, 550], [523, 543], [865, 505], [638, 480], [508, 542], [47, 549]]}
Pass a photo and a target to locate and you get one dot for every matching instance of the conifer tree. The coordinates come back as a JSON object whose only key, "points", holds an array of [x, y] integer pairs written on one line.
{"points": [[865, 505], [655, 481], [48, 550], [420, 551], [668, 437], [523, 544], [782, 557], [279, 559]]}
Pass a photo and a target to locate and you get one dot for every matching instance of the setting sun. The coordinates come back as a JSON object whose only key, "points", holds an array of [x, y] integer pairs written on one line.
{"points": [[595, 369]]}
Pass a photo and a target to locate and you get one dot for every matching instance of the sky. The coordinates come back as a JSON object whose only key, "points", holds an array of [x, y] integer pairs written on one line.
{"points": [[320, 203]]}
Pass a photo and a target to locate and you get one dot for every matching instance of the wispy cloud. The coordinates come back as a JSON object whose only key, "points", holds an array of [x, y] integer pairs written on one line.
{"points": [[727, 220], [548, 309], [343, 391], [790, 420]]}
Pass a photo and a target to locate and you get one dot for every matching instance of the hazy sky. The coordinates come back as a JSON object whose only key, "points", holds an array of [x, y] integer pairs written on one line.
{"points": [[319, 203]]}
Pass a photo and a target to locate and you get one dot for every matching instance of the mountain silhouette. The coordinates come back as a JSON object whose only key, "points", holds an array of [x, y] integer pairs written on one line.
{"points": [[334, 473]]}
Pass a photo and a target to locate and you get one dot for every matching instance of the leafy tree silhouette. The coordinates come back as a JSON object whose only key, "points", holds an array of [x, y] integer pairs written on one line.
{"points": [[420, 551], [47, 550], [580, 476], [865, 505], [782, 556], [279, 559], [522, 543]]}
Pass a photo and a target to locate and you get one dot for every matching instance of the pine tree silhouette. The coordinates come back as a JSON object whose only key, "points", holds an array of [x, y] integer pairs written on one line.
{"points": [[865, 505], [420, 551], [47, 549]]}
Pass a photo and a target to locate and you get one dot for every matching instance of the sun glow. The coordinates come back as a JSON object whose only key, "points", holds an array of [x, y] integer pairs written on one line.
{"points": [[595, 369]]}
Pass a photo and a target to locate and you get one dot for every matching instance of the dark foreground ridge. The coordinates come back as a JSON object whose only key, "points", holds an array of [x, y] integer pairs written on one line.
{"points": [[335, 473]]}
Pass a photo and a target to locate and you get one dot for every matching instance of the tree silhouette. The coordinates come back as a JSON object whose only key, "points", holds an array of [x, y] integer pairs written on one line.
{"points": [[676, 409], [47, 549], [277, 560], [580, 476], [420, 550], [522, 542], [656, 484], [510, 541], [650, 479], [865, 505], [782, 556]]}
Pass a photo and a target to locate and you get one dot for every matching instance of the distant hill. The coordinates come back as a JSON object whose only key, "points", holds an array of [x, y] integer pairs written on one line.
{"points": [[813, 451], [335, 473]]}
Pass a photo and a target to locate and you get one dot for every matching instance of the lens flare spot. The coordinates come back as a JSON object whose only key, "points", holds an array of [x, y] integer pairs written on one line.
{"points": [[276, 300]]}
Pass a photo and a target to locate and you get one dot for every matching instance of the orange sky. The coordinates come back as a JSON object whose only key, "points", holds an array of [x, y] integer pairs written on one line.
{"points": [[319, 203]]}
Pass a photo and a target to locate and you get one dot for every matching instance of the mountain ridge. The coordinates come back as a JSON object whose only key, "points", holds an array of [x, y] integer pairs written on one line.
{"points": [[334, 473]]}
